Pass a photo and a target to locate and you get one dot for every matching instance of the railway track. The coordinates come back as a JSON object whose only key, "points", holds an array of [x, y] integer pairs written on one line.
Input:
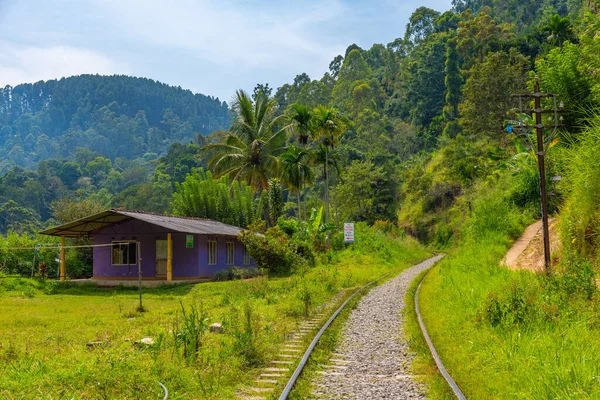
{"points": [[348, 371]]}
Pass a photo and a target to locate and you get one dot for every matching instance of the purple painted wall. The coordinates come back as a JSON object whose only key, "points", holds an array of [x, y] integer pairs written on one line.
{"points": [[187, 262]]}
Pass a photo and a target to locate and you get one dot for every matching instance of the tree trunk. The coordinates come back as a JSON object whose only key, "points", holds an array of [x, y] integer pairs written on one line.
{"points": [[326, 185], [265, 202], [299, 209], [335, 205]]}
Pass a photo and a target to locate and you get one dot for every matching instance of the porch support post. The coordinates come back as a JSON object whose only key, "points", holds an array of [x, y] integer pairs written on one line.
{"points": [[169, 257], [63, 262]]}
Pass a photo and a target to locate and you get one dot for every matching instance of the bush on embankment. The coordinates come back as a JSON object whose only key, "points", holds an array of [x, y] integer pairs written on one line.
{"points": [[505, 334]]}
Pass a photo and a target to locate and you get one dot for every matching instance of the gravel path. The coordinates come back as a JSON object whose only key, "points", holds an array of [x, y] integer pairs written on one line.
{"points": [[372, 361]]}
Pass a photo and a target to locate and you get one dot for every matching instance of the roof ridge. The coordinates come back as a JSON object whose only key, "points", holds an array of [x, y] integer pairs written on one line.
{"points": [[163, 215]]}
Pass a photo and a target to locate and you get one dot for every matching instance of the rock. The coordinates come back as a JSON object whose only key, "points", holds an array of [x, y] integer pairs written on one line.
{"points": [[216, 328], [145, 342]]}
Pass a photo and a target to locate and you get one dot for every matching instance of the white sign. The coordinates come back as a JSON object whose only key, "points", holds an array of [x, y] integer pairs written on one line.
{"points": [[348, 233]]}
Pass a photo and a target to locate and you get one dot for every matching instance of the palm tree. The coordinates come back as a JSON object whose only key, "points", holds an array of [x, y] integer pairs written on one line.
{"points": [[330, 160], [300, 118], [559, 29], [328, 126], [296, 171], [248, 151]]}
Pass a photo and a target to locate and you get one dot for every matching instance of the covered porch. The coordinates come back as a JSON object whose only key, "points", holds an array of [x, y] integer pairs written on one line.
{"points": [[128, 245]]}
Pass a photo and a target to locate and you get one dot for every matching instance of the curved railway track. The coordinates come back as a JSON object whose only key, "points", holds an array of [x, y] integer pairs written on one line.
{"points": [[292, 350]]}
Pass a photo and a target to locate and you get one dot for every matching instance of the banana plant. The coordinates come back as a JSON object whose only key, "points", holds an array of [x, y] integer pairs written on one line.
{"points": [[315, 229]]}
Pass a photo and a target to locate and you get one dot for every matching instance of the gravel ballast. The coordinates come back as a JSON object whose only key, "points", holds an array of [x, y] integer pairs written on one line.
{"points": [[372, 360]]}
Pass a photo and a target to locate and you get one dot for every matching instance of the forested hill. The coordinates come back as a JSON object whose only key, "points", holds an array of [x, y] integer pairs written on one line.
{"points": [[116, 116]]}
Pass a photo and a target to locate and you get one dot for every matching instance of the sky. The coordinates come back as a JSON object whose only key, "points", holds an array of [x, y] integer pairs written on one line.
{"points": [[208, 46]]}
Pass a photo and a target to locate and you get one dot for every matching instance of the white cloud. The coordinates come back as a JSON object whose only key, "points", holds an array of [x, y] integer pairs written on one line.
{"points": [[19, 64], [230, 34]]}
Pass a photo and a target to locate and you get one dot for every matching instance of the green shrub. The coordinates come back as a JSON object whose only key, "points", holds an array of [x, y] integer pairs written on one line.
{"points": [[578, 278], [289, 226], [234, 273], [272, 251], [515, 306], [305, 250]]}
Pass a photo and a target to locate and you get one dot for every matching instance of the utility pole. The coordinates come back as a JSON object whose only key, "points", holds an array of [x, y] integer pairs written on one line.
{"points": [[542, 146]]}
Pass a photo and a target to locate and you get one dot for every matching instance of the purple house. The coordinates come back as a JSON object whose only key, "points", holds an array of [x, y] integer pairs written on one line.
{"points": [[167, 247]]}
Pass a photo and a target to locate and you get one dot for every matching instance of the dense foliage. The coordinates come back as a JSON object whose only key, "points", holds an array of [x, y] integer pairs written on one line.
{"points": [[116, 116]]}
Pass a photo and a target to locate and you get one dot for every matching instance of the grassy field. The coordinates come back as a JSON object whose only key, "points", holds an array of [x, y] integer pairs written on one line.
{"points": [[510, 335], [45, 328]]}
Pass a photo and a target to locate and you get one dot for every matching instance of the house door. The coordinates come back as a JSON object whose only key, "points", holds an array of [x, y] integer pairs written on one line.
{"points": [[161, 258]]}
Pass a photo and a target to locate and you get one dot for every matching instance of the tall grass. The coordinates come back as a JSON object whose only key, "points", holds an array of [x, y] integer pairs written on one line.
{"points": [[511, 335], [44, 328], [580, 216]]}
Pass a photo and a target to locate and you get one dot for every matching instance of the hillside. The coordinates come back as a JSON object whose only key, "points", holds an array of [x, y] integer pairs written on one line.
{"points": [[116, 116]]}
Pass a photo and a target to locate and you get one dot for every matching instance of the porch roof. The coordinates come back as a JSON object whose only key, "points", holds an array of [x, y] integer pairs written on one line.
{"points": [[88, 225]]}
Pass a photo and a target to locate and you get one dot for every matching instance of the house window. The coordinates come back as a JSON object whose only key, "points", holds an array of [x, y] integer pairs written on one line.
{"points": [[212, 252], [246, 256], [230, 254], [124, 253]]}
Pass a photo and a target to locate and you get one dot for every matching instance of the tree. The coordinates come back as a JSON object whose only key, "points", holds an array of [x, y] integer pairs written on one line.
{"points": [[488, 92], [477, 34], [296, 171], [559, 30], [329, 125], [426, 88], [335, 65], [420, 25], [300, 118], [261, 88], [68, 209], [563, 71], [275, 199], [249, 151], [453, 83], [203, 196], [367, 194]]}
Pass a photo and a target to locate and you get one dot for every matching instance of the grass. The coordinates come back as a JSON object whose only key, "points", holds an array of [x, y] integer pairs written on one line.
{"points": [[322, 352], [423, 365], [504, 334], [329, 341], [45, 328]]}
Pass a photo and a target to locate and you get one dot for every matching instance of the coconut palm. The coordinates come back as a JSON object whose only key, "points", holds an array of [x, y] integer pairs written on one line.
{"points": [[248, 151], [300, 117], [296, 171], [328, 126]]}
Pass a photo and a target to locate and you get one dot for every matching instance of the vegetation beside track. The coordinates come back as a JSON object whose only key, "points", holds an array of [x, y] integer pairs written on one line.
{"points": [[504, 334], [45, 328]]}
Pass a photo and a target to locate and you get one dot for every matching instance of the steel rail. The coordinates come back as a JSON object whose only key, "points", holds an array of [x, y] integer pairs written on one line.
{"points": [[290, 385], [457, 392]]}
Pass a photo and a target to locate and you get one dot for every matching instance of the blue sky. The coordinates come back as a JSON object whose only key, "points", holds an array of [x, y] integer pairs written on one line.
{"points": [[208, 46]]}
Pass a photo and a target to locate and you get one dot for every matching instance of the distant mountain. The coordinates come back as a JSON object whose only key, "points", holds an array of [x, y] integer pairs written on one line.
{"points": [[116, 116]]}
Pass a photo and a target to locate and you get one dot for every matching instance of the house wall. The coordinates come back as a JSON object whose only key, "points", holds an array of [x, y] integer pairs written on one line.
{"points": [[187, 262]]}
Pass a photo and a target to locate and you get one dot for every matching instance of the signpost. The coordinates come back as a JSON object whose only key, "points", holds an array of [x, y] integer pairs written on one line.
{"points": [[348, 233]]}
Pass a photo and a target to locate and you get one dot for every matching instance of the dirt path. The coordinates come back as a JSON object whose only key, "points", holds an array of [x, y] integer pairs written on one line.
{"points": [[528, 251]]}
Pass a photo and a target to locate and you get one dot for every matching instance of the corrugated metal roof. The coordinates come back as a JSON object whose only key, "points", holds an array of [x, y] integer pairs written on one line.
{"points": [[88, 225]]}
